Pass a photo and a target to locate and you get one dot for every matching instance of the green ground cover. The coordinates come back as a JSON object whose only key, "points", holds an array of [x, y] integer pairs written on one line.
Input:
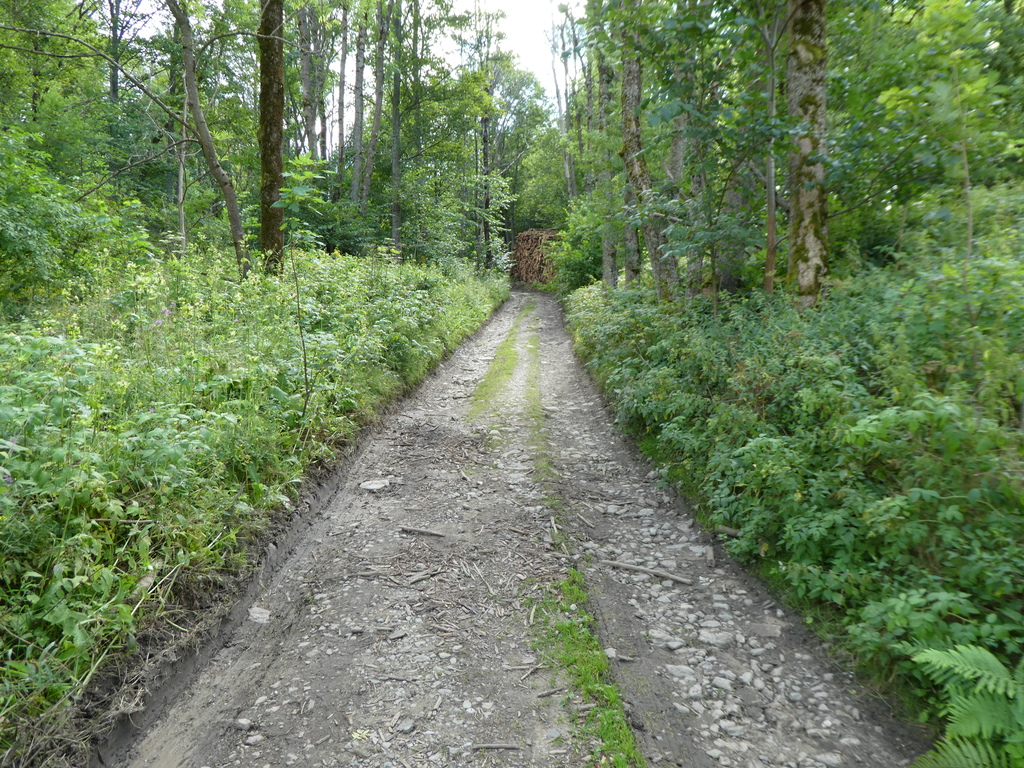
{"points": [[151, 431], [868, 451]]}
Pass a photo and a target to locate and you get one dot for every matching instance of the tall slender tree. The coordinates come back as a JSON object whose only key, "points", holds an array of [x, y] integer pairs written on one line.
{"points": [[383, 31], [359, 104], [663, 266], [205, 138], [340, 171], [396, 133], [270, 40], [305, 18]]}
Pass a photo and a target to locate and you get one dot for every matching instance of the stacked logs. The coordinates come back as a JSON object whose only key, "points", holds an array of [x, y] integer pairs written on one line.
{"points": [[530, 260]]}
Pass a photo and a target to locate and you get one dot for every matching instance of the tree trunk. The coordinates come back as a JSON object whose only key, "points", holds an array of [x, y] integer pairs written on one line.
{"points": [[383, 26], [605, 78], [306, 81], [396, 134], [570, 158], [270, 41], [114, 6], [771, 215], [174, 126], [664, 270], [485, 141], [695, 255], [179, 189], [729, 257], [806, 90], [631, 244], [358, 97], [221, 176], [322, 63], [418, 38], [341, 102], [567, 169]]}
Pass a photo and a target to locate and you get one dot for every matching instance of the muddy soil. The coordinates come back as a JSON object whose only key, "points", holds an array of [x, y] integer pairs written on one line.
{"points": [[401, 632]]}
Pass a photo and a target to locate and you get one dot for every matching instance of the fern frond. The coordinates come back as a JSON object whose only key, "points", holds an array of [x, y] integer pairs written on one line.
{"points": [[969, 663], [958, 753], [1017, 713], [980, 713]]}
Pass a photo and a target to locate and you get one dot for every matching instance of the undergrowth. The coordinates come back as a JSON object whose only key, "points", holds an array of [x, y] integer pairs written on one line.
{"points": [[147, 433], [868, 451]]}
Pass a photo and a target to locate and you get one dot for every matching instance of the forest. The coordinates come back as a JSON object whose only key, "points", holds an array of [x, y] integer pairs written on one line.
{"points": [[791, 252]]}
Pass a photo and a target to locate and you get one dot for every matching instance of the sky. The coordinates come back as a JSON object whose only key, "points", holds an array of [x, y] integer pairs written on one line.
{"points": [[526, 26]]}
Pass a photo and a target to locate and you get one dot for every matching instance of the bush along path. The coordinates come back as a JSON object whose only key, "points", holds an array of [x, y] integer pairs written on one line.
{"points": [[499, 581], [153, 432]]}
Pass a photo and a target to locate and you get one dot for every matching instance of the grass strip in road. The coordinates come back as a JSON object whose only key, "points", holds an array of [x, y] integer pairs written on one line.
{"points": [[569, 634], [569, 637], [501, 369]]}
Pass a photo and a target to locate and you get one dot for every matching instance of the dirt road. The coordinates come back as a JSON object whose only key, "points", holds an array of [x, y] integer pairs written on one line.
{"points": [[407, 629]]}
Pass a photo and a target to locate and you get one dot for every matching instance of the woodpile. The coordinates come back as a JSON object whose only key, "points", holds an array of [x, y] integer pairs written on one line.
{"points": [[530, 260]]}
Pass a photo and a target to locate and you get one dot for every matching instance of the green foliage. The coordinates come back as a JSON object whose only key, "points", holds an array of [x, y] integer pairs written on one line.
{"points": [[577, 253], [542, 201], [148, 433], [869, 452], [985, 704], [47, 238]]}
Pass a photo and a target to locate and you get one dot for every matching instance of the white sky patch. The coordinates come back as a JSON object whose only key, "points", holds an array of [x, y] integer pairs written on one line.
{"points": [[527, 27]]}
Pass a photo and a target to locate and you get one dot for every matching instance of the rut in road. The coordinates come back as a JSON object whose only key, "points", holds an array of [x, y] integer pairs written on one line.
{"points": [[405, 629]]}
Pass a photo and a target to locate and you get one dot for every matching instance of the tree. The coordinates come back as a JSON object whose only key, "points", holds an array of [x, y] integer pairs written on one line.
{"points": [[383, 26], [270, 38], [663, 267], [205, 138], [396, 134], [605, 81], [359, 101], [123, 18], [806, 99]]}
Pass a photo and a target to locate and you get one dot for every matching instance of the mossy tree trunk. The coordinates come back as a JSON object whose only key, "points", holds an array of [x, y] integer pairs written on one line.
{"points": [[270, 39], [806, 90]]}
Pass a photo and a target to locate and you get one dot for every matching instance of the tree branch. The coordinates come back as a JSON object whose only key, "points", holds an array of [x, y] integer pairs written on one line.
{"points": [[134, 164], [97, 52], [48, 54]]}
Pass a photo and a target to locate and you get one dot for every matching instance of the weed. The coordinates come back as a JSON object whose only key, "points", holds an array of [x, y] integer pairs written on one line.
{"points": [[868, 452]]}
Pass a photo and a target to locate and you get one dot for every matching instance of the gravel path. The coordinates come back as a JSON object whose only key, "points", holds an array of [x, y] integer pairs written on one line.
{"points": [[402, 631]]}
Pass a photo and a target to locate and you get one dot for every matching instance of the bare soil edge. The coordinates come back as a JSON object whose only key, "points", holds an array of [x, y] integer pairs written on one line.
{"points": [[156, 680]]}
